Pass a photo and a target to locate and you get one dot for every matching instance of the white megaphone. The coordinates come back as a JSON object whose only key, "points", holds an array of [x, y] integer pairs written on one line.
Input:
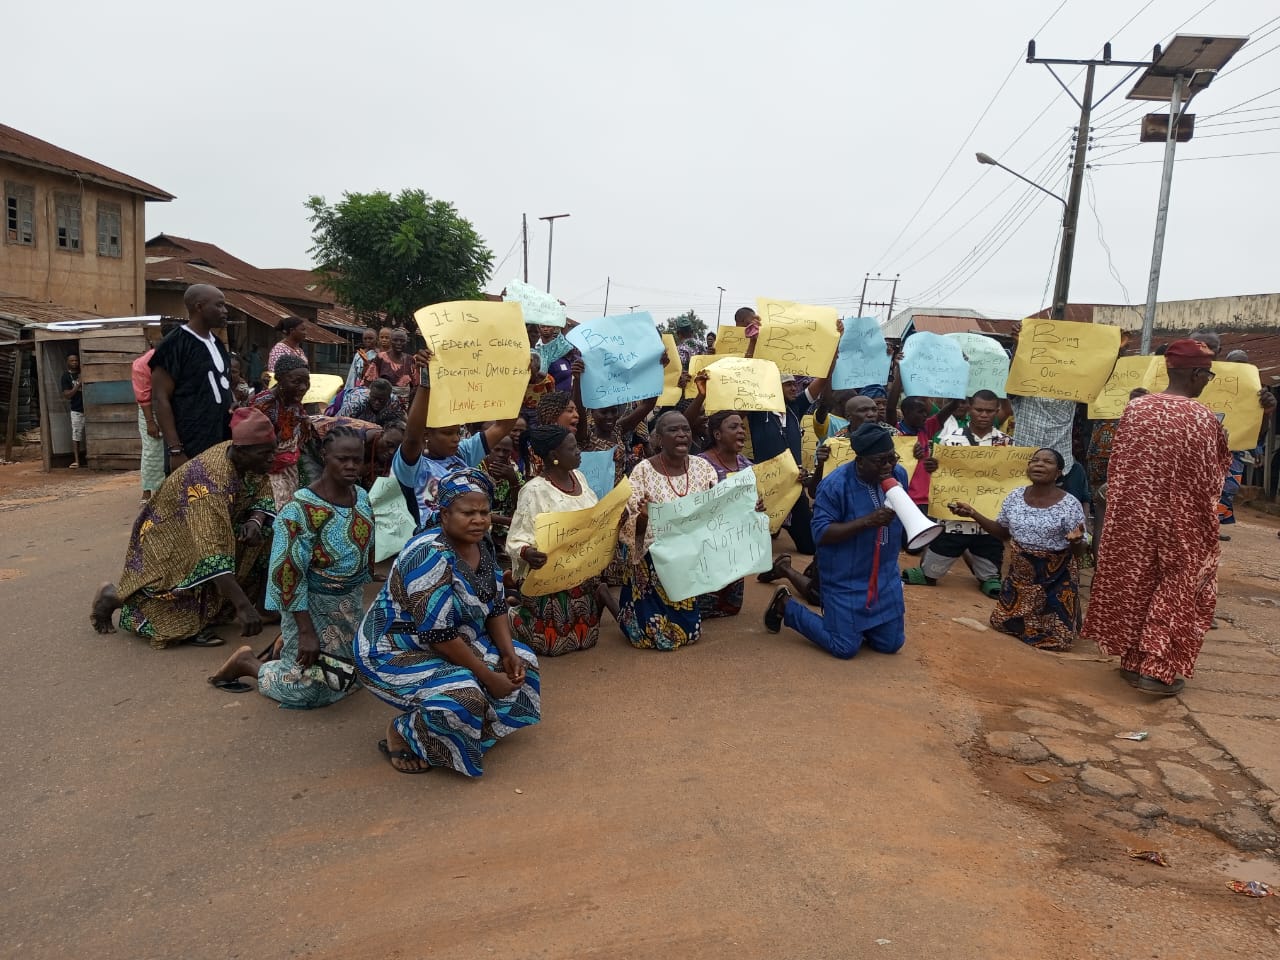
{"points": [[921, 531]]}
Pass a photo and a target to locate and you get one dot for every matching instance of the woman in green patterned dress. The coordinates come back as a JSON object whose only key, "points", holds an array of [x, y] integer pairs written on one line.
{"points": [[320, 561]]}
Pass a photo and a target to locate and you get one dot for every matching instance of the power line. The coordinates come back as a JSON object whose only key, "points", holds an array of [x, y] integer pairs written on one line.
{"points": [[1008, 186], [1240, 66], [1220, 156], [1102, 240], [1005, 222], [964, 143]]}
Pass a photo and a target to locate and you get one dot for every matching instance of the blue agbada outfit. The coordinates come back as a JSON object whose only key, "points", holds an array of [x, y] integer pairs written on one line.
{"points": [[847, 621]]}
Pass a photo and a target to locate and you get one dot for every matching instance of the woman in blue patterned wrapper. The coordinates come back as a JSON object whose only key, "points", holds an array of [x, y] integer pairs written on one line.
{"points": [[320, 561], [437, 645]]}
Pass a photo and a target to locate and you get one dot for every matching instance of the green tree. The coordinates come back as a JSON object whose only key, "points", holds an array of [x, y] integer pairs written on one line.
{"points": [[699, 328], [388, 255]]}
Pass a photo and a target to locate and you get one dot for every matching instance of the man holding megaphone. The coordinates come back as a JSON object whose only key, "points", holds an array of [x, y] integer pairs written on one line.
{"points": [[858, 529]]}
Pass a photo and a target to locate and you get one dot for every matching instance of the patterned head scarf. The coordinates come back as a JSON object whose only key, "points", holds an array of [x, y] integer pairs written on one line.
{"points": [[874, 391], [461, 482]]}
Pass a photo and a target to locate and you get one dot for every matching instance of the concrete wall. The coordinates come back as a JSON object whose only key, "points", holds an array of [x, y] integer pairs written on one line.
{"points": [[114, 286], [1222, 314]]}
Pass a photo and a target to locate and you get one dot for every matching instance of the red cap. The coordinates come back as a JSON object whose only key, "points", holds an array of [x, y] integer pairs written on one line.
{"points": [[1187, 354]]}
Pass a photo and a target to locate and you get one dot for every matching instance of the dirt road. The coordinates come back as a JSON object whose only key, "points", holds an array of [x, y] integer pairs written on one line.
{"points": [[749, 797]]}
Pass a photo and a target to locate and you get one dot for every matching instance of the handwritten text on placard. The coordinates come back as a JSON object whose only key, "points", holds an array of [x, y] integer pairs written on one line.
{"points": [[578, 543], [980, 476], [737, 383], [481, 365], [1063, 360], [800, 339], [621, 357], [707, 540]]}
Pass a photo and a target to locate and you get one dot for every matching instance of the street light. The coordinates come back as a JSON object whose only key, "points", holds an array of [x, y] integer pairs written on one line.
{"points": [[551, 236], [1065, 253], [1186, 67], [719, 305], [993, 162]]}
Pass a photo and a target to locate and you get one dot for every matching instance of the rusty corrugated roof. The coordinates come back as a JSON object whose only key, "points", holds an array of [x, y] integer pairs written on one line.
{"points": [[271, 313], [20, 147], [180, 260], [40, 311]]}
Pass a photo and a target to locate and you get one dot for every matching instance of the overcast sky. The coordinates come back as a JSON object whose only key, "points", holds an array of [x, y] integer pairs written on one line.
{"points": [[778, 149]]}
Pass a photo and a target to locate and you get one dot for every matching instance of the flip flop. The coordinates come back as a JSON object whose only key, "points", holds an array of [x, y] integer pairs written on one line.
{"points": [[400, 755], [991, 588], [916, 578], [231, 686], [772, 575]]}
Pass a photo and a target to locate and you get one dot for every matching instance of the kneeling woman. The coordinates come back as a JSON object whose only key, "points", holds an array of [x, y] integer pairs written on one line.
{"points": [[649, 618], [1039, 601], [436, 644], [320, 561], [569, 620]]}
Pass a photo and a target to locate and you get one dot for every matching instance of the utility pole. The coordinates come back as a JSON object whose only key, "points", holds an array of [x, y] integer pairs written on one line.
{"points": [[524, 238], [551, 236], [863, 302], [1176, 75], [1066, 253], [608, 281], [718, 306], [1162, 214]]}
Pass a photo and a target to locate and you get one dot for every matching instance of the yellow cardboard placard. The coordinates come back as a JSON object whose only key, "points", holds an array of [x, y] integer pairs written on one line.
{"points": [[841, 453], [778, 483], [671, 393], [579, 544], [737, 383], [731, 342], [979, 476], [1129, 373], [808, 441], [1063, 360], [481, 365], [800, 339], [696, 364], [1233, 392], [905, 448]]}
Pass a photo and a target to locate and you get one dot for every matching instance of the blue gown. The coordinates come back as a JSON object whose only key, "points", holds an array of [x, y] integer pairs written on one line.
{"points": [[844, 569]]}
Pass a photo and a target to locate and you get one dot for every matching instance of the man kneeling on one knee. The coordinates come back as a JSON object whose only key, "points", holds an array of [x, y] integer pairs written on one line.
{"points": [[983, 552], [858, 538]]}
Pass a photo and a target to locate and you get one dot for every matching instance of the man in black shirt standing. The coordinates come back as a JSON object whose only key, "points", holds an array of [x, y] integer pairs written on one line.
{"points": [[190, 385], [71, 392], [772, 433]]}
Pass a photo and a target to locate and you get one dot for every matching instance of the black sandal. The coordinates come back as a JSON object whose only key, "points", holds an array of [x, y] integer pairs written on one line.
{"points": [[231, 686], [772, 618], [401, 755], [772, 575]]}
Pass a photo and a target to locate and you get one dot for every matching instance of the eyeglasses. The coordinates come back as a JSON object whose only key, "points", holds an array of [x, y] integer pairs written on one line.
{"points": [[1208, 374]]}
